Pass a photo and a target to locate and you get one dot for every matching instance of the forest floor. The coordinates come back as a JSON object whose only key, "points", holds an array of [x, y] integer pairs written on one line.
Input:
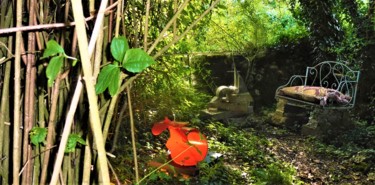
{"points": [[316, 162], [256, 152]]}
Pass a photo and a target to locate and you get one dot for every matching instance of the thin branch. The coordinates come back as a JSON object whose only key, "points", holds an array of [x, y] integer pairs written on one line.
{"points": [[132, 128], [167, 26], [187, 29]]}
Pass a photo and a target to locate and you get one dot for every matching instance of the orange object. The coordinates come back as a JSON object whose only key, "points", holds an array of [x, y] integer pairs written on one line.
{"points": [[187, 146]]}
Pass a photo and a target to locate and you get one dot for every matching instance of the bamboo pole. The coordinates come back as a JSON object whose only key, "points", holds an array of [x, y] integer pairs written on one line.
{"points": [[87, 71], [17, 98], [66, 131], [145, 34], [29, 99]]}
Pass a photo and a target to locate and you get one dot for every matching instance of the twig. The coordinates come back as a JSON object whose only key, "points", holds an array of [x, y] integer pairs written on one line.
{"points": [[132, 129], [114, 173], [167, 26]]}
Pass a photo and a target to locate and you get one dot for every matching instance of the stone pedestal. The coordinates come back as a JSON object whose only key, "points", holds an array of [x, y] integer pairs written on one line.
{"points": [[235, 105], [290, 116], [313, 122]]}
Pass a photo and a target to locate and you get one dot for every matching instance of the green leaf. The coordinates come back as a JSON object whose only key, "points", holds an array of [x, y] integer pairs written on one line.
{"points": [[119, 46], [54, 68], [38, 135], [108, 78], [114, 82], [52, 49], [136, 60], [73, 139]]}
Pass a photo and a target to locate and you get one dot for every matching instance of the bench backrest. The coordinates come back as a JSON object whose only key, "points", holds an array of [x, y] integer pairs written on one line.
{"points": [[334, 75]]}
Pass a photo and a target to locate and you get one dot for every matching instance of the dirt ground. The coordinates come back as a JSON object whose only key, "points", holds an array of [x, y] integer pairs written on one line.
{"points": [[312, 167]]}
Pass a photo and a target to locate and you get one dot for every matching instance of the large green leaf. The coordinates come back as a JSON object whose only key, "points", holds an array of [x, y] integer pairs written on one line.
{"points": [[73, 139], [52, 49], [108, 77], [119, 46], [136, 60], [38, 135], [54, 68]]}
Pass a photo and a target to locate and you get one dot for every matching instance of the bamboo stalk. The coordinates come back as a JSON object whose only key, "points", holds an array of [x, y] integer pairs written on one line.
{"points": [[17, 98], [29, 99], [66, 132], [51, 129], [145, 33], [118, 17], [4, 106], [87, 71]]}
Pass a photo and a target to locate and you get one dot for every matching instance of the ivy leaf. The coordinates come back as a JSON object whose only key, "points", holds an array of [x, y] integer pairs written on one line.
{"points": [[119, 46], [52, 49], [38, 135], [73, 139], [54, 68], [136, 60], [109, 78]]}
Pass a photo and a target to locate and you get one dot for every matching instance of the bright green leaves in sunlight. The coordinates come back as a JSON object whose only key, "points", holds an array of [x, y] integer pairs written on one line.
{"points": [[58, 55], [134, 60], [38, 135], [109, 78], [119, 46], [73, 139]]}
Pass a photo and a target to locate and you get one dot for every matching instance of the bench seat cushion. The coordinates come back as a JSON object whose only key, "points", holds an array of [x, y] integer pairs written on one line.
{"points": [[314, 94]]}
